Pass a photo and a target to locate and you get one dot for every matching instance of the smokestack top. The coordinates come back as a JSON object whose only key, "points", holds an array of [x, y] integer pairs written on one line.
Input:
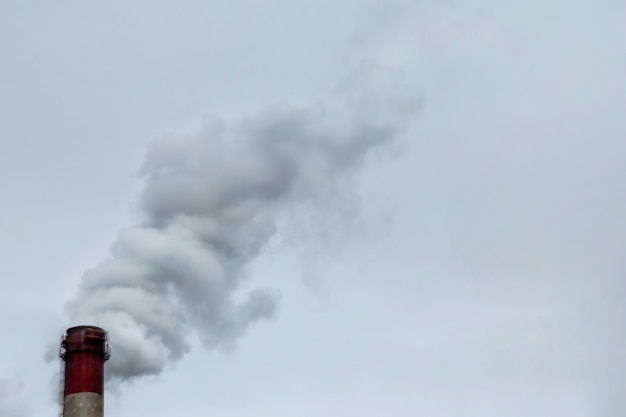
{"points": [[85, 339], [84, 350], [86, 329]]}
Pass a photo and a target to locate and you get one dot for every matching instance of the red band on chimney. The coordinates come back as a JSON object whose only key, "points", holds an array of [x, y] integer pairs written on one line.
{"points": [[85, 351]]}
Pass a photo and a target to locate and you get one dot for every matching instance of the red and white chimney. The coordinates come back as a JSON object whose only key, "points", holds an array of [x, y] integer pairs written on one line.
{"points": [[84, 350]]}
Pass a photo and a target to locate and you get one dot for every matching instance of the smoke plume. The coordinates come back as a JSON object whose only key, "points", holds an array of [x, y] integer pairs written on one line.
{"points": [[210, 203]]}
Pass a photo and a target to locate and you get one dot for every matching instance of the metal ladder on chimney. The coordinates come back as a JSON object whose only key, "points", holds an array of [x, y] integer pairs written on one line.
{"points": [[61, 379]]}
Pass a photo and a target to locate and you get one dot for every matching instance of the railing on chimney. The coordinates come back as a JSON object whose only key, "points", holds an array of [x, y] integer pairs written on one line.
{"points": [[61, 377]]}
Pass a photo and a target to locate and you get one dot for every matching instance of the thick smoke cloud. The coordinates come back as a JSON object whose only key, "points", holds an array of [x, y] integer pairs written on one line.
{"points": [[211, 202]]}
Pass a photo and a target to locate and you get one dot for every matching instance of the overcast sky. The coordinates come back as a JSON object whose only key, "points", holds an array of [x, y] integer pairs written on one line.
{"points": [[471, 264]]}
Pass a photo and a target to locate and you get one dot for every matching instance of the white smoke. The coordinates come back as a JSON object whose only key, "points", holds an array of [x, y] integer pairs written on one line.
{"points": [[210, 203]]}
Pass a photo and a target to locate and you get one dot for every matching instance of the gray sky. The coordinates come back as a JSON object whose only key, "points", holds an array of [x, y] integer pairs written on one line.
{"points": [[472, 266]]}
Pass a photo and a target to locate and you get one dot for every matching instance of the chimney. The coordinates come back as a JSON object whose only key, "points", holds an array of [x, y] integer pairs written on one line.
{"points": [[84, 349]]}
